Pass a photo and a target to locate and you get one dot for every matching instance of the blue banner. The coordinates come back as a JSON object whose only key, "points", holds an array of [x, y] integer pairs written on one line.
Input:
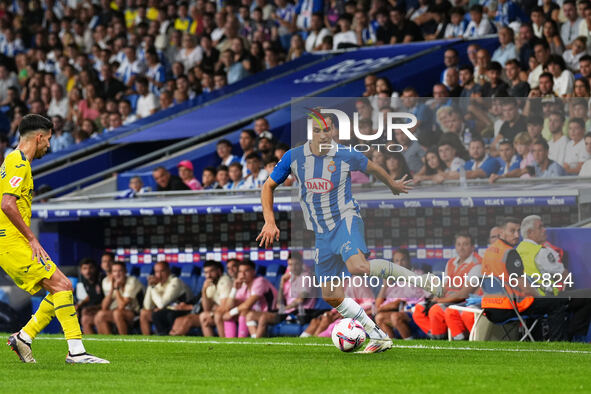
{"points": [[73, 214]]}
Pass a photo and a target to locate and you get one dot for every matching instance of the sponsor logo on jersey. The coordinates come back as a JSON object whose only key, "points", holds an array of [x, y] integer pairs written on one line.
{"points": [[15, 181], [20, 165], [319, 185]]}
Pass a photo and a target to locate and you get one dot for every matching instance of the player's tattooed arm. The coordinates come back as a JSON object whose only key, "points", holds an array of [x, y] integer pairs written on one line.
{"points": [[270, 231], [397, 186], [11, 211]]}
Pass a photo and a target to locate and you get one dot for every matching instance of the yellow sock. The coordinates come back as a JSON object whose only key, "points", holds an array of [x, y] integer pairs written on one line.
{"points": [[41, 318], [63, 302]]}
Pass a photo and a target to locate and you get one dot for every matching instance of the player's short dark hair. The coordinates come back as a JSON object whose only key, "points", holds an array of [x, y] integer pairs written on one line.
{"points": [[404, 252], [513, 62], [271, 160], [213, 263], [295, 256], [495, 66], [479, 140], [110, 254], [587, 135], [585, 58], [578, 121], [87, 261], [468, 67], [248, 263], [250, 133], [253, 155], [121, 263], [224, 142], [235, 164], [510, 219], [164, 263], [34, 122], [477, 8], [543, 143], [213, 170], [222, 167], [464, 235], [159, 168]]}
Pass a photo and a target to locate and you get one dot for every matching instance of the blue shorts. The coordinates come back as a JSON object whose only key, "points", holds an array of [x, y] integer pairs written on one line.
{"points": [[336, 246]]}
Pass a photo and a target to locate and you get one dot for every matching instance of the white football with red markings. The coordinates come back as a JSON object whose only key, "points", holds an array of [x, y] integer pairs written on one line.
{"points": [[348, 335]]}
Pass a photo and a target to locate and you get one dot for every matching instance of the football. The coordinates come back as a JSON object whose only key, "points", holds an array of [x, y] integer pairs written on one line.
{"points": [[348, 335]]}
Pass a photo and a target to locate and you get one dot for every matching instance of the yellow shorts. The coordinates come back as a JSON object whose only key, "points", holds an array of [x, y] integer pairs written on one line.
{"points": [[26, 273]]}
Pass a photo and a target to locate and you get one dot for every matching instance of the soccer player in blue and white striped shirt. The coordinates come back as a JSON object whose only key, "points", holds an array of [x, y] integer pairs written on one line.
{"points": [[324, 179]]}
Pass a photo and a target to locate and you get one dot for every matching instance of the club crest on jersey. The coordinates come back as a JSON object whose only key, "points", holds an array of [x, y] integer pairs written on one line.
{"points": [[47, 267], [15, 181], [319, 185], [332, 167]]}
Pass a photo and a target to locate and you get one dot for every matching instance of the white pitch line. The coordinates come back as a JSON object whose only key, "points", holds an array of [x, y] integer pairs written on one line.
{"points": [[261, 343]]}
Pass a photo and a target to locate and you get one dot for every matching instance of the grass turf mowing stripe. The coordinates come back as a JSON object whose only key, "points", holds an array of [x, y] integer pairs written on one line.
{"points": [[267, 343]]}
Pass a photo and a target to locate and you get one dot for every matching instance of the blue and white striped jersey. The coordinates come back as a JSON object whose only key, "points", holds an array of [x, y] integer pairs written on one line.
{"points": [[324, 182]]}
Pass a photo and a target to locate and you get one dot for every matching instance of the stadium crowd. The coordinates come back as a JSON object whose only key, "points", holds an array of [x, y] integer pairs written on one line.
{"points": [[233, 300], [93, 66]]}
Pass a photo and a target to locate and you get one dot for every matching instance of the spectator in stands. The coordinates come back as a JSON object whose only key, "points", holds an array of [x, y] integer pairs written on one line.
{"points": [[495, 86], [89, 294], [569, 30], [517, 87], [235, 175], [293, 297], [260, 125], [576, 154], [165, 181], [493, 235], [214, 294], [577, 50], [552, 36], [506, 51], [586, 168], [452, 81], [124, 109], [190, 54], [247, 144], [508, 161], [60, 139], [585, 63], [345, 38], [480, 165], [265, 145], [433, 165], [147, 104], [524, 44], [545, 167], [251, 295], [457, 25], [59, 103], [208, 178], [412, 152], [448, 151], [316, 33], [558, 141], [136, 187], [563, 79], [222, 176], [396, 167], [186, 174], [482, 61], [393, 302], [163, 294], [110, 86], [513, 121], [114, 121], [542, 55], [224, 152], [120, 305], [479, 26], [257, 175], [404, 30], [433, 316]]}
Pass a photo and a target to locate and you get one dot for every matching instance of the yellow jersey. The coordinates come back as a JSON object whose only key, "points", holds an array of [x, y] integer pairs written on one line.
{"points": [[16, 179]]}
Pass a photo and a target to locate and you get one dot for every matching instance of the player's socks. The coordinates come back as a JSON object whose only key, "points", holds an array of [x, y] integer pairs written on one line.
{"points": [[39, 320], [65, 312], [305, 335], [350, 308], [409, 338]]}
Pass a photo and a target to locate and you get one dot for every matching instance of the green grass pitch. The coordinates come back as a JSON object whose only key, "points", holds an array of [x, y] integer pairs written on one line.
{"points": [[190, 364]]}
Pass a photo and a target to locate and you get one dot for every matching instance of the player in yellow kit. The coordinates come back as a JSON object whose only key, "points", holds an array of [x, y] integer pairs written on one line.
{"points": [[22, 256]]}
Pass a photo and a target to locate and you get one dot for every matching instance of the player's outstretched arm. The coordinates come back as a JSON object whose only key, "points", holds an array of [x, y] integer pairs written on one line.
{"points": [[397, 186], [270, 232], [11, 211]]}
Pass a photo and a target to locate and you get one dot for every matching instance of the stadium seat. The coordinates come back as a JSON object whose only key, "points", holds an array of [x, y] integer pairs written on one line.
{"points": [[145, 271], [197, 284], [133, 99], [187, 273], [74, 281]]}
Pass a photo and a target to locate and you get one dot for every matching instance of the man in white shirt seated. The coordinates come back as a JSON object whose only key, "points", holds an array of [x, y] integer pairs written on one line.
{"points": [[347, 37], [165, 291], [316, 33], [147, 103], [120, 305], [576, 154]]}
